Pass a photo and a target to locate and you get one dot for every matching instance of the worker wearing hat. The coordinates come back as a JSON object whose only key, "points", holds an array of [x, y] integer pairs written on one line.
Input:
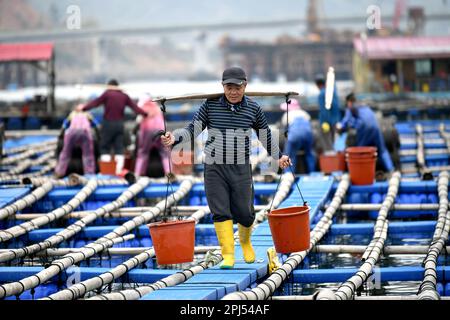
{"points": [[228, 174], [327, 117]]}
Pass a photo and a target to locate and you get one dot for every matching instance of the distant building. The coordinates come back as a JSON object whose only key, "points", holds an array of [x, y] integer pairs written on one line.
{"points": [[402, 64], [290, 59]]}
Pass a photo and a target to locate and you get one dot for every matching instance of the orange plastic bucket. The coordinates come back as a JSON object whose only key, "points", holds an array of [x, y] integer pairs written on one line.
{"points": [[361, 152], [107, 167], [361, 164], [173, 241], [330, 162], [290, 229]]}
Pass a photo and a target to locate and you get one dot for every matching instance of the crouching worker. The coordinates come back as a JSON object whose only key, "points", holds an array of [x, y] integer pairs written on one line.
{"points": [[368, 132], [228, 173], [300, 134], [78, 133], [148, 128]]}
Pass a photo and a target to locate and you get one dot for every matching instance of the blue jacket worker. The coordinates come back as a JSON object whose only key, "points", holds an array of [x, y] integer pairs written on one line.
{"points": [[368, 132], [300, 134]]}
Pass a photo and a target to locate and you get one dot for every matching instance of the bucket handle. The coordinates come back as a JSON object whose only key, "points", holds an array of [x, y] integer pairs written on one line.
{"points": [[286, 133], [305, 203], [160, 133]]}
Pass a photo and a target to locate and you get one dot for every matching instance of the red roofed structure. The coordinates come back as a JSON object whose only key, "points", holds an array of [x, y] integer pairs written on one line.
{"points": [[402, 63], [39, 55], [26, 52]]}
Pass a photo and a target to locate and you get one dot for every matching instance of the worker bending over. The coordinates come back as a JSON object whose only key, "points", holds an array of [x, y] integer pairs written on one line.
{"points": [[368, 132], [300, 134], [78, 133]]}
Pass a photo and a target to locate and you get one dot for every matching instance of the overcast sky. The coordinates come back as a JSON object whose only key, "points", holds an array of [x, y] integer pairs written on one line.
{"points": [[138, 13]]}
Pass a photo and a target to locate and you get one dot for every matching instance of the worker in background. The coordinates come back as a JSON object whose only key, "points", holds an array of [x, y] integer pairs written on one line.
{"points": [[78, 128], [300, 134], [327, 117], [368, 132], [147, 136], [114, 101], [228, 172]]}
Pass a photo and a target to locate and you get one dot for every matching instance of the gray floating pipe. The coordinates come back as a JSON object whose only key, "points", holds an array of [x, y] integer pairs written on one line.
{"points": [[427, 289], [58, 213], [181, 211], [398, 207], [170, 281], [265, 289], [27, 163], [76, 227], [58, 252], [18, 177], [353, 249], [347, 289], [444, 134], [99, 245], [28, 154], [26, 201], [421, 164], [92, 284], [24, 148], [413, 152]]}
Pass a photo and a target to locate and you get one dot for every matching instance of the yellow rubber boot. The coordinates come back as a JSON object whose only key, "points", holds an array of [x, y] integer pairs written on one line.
{"points": [[225, 235], [246, 244]]}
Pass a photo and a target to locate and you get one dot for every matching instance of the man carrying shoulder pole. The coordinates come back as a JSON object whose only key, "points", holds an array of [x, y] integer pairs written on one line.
{"points": [[228, 174]]}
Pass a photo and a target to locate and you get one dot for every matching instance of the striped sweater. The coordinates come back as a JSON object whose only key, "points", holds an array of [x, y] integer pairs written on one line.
{"points": [[229, 130]]}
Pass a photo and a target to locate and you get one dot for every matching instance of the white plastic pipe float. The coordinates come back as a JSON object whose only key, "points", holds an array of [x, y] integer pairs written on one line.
{"points": [[58, 213], [170, 281], [24, 148], [347, 290], [265, 289], [58, 252], [445, 135], [398, 207], [27, 163], [99, 245], [427, 289], [78, 226], [28, 154], [413, 152], [355, 249], [26, 201], [50, 166], [181, 211], [80, 289]]}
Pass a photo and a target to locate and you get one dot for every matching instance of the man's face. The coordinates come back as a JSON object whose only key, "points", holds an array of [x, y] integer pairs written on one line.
{"points": [[234, 93]]}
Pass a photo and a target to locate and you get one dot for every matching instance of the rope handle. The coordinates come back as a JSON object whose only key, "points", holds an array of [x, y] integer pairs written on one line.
{"points": [[305, 203], [167, 213]]}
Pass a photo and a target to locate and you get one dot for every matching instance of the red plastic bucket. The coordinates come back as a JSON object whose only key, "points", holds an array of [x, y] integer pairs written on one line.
{"points": [[330, 162], [290, 229], [107, 167], [173, 241], [361, 152], [361, 163]]}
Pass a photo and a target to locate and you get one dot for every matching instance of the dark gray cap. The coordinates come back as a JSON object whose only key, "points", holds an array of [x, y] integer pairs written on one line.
{"points": [[234, 75]]}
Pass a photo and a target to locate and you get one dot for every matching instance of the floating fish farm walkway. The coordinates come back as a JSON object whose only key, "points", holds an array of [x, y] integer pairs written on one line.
{"points": [[86, 237]]}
